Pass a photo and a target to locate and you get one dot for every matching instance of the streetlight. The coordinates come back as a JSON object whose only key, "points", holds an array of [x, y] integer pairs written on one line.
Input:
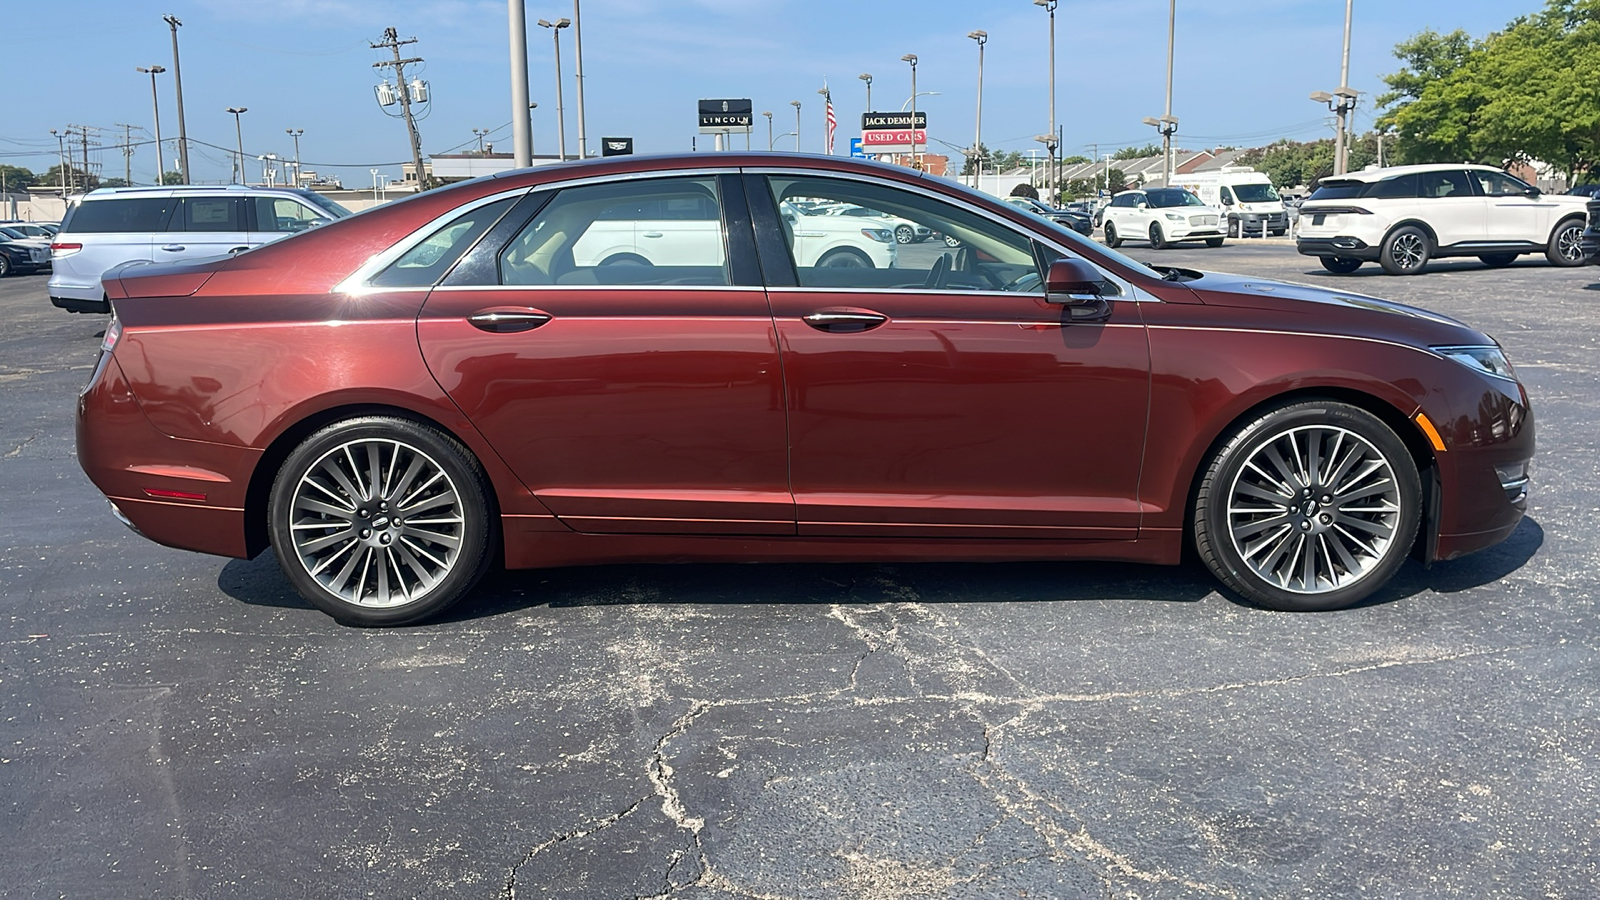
{"points": [[480, 133], [796, 105], [1050, 7], [1049, 142], [61, 145], [1341, 102], [867, 77], [177, 78], [768, 114], [238, 133], [153, 71], [1167, 125], [561, 114], [269, 169], [919, 94], [916, 162], [295, 133], [982, 37]]}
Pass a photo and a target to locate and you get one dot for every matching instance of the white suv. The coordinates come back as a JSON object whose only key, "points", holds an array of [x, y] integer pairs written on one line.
{"points": [[1403, 216], [1163, 216], [112, 226]]}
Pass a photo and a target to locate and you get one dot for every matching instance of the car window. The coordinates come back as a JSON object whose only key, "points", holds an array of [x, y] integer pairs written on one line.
{"points": [[120, 215], [1498, 184], [1339, 190], [1448, 183], [427, 262], [657, 232], [206, 214], [972, 252], [282, 215], [1403, 187]]}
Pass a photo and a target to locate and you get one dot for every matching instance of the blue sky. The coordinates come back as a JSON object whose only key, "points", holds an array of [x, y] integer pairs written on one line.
{"points": [[1243, 70]]}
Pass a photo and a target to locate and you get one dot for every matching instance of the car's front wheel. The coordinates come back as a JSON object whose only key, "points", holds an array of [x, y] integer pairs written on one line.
{"points": [[1213, 242], [1339, 265], [1497, 260], [1112, 240], [381, 521], [845, 258], [1566, 245], [1406, 251], [1158, 241], [1309, 506], [905, 234], [5, 266]]}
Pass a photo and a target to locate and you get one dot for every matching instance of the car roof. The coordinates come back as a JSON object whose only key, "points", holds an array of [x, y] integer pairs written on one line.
{"points": [[178, 189], [1392, 171]]}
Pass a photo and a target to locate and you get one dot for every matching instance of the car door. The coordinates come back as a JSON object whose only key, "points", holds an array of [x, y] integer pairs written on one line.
{"points": [[943, 397], [201, 227], [1510, 214], [628, 398], [1447, 202]]}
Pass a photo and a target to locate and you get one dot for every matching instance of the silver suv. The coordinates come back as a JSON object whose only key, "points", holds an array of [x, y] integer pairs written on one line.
{"points": [[111, 226]]}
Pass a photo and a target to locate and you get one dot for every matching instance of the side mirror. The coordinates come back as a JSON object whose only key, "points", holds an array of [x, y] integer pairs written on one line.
{"points": [[1141, 205], [1533, 192], [318, 222], [1227, 201], [1072, 282]]}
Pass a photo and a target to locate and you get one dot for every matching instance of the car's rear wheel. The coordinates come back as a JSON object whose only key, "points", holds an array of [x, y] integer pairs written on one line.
{"points": [[1566, 245], [1406, 251], [381, 521], [1213, 242], [1310, 506], [626, 259], [951, 241], [1340, 265], [1158, 241], [845, 258], [905, 234], [1112, 240], [1497, 260], [5, 266]]}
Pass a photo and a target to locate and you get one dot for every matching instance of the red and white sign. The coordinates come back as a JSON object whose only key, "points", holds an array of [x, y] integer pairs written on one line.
{"points": [[891, 140]]}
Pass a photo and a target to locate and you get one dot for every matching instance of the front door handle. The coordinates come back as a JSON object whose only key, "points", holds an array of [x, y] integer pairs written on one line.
{"points": [[845, 321], [508, 320], [652, 234], [174, 247]]}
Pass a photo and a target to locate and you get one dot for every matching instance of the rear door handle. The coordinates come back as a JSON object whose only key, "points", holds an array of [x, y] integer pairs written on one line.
{"points": [[174, 247], [845, 321], [508, 320], [652, 234]]}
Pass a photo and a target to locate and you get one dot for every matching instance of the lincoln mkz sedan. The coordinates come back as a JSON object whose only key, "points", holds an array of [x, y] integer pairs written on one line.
{"points": [[396, 401]]}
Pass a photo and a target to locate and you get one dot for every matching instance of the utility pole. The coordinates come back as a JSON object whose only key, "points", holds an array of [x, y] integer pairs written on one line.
{"points": [[561, 112], [577, 44], [61, 147], [521, 116], [982, 37], [127, 152], [295, 133], [1341, 153], [177, 78], [1050, 7], [391, 41]]}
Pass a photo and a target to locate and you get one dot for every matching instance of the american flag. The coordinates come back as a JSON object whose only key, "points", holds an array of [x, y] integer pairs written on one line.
{"points": [[833, 124]]}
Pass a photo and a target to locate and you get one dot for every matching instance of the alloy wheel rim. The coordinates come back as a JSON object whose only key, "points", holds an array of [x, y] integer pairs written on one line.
{"points": [[1569, 243], [377, 522], [1315, 509], [1408, 251]]}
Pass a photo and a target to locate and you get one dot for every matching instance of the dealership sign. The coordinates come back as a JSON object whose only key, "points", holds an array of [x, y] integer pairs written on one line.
{"points": [[893, 140], [725, 116], [611, 146], [879, 121]]}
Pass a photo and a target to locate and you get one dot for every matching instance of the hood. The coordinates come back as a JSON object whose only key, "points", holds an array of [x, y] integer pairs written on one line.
{"points": [[1263, 292]]}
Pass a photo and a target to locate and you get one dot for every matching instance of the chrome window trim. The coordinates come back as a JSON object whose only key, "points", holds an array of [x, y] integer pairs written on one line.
{"points": [[356, 282], [541, 288], [1130, 291]]}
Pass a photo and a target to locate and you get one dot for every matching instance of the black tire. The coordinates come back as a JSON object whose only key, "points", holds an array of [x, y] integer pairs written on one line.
{"points": [[950, 241], [905, 234], [1339, 265], [626, 259], [1158, 240], [5, 265], [845, 258], [361, 477], [1349, 532], [1497, 260], [1406, 251], [1566, 244], [1213, 242], [1233, 227], [1112, 240], [1279, 232]]}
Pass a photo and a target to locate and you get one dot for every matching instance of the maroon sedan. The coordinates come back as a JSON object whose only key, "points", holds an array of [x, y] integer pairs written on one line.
{"points": [[687, 358]]}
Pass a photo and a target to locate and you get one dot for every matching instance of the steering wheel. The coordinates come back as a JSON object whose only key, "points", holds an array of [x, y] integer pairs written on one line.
{"points": [[939, 275]]}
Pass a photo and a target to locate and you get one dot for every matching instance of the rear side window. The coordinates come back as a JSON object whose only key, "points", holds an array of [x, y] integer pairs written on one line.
{"points": [[206, 214], [1401, 188], [282, 215], [1452, 183], [120, 215], [426, 263]]}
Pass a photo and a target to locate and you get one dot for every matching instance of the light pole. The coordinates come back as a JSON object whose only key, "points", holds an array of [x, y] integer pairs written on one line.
{"points": [[561, 113], [177, 79], [1167, 126], [479, 133], [61, 146], [982, 37], [916, 161], [238, 134], [1050, 7], [1049, 142], [827, 106], [867, 77], [153, 71], [577, 46], [521, 119], [1341, 102], [269, 168], [768, 114], [1170, 123], [374, 185], [295, 133], [796, 105]]}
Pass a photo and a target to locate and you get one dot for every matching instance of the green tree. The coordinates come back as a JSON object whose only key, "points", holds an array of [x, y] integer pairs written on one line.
{"points": [[76, 177], [16, 177], [1137, 152], [1074, 160], [172, 178], [1025, 190]]}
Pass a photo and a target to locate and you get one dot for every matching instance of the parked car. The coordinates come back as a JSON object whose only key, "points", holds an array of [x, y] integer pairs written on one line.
{"points": [[110, 226], [1076, 221], [905, 230], [1403, 216], [488, 393], [1164, 216], [27, 230], [1585, 190], [1590, 240], [1246, 197], [29, 237], [18, 258]]}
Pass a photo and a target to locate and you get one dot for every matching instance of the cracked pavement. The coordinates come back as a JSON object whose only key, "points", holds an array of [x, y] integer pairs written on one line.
{"points": [[185, 726]]}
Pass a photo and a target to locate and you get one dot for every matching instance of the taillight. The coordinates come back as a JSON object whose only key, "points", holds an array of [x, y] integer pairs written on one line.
{"points": [[58, 250], [113, 332]]}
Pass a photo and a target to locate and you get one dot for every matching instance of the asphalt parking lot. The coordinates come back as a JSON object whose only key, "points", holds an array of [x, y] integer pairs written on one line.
{"points": [[177, 725]]}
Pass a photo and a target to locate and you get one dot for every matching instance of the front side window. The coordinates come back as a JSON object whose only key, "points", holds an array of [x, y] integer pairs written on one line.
{"points": [[1498, 184], [973, 253], [201, 214], [282, 215], [658, 232]]}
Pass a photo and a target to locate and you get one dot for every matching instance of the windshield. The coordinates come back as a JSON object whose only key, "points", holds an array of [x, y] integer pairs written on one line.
{"points": [[323, 203], [1255, 193], [1339, 190], [1172, 197]]}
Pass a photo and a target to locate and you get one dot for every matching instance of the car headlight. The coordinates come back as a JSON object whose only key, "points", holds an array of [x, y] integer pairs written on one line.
{"points": [[1174, 217], [881, 235], [1489, 360]]}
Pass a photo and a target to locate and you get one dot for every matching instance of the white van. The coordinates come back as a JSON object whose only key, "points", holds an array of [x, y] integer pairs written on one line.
{"points": [[1246, 196]]}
